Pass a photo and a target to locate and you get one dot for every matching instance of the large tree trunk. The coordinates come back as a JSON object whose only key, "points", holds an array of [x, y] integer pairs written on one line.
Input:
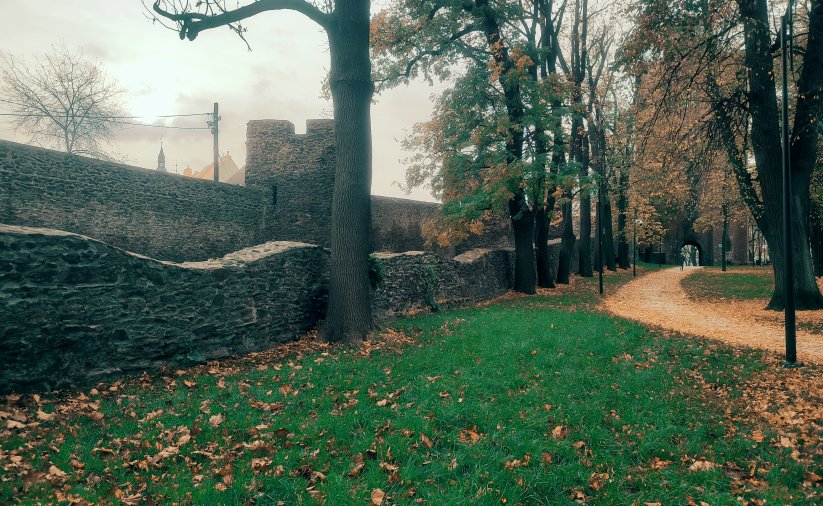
{"points": [[524, 263], [566, 243], [513, 98], [349, 311], [766, 145]]}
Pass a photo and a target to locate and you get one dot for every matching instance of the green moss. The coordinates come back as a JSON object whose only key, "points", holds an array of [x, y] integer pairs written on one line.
{"points": [[377, 272], [428, 278]]}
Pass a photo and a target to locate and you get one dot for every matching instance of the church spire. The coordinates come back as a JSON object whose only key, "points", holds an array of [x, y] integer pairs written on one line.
{"points": [[161, 159]]}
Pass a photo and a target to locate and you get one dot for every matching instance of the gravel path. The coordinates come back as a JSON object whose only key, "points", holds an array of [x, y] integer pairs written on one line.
{"points": [[658, 299]]}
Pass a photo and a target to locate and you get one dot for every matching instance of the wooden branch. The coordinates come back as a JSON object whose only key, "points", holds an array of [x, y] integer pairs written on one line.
{"points": [[440, 50], [556, 43], [192, 23]]}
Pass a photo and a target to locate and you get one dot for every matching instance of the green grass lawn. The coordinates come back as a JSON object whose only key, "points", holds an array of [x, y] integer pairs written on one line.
{"points": [[651, 265], [736, 283], [533, 400]]}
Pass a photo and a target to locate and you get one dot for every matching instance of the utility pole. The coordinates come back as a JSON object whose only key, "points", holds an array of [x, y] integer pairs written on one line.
{"points": [[788, 261], [215, 130], [600, 232]]}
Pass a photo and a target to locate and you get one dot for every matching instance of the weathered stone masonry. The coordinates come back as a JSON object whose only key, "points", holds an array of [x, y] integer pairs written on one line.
{"points": [[75, 310], [296, 171], [156, 214], [288, 192]]}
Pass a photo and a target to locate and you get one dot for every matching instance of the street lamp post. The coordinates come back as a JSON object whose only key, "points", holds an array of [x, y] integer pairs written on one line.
{"points": [[600, 234], [788, 273]]}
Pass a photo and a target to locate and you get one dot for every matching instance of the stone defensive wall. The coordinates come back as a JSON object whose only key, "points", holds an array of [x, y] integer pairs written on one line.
{"points": [[297, 172], [287, 197], [153, 213], [76, 310], [107, 268]]}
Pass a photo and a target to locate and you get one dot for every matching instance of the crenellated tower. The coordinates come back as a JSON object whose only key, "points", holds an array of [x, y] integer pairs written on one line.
{"points": [[297, 172]]}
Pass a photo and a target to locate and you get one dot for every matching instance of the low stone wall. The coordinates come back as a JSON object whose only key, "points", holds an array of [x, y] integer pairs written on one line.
{"points": [[287, 197], [74, 310], [416, 280]]}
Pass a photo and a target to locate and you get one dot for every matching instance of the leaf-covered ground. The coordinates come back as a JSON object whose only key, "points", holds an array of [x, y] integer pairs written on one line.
{"points": [[737, 283], [529, 400], [658, 300]]}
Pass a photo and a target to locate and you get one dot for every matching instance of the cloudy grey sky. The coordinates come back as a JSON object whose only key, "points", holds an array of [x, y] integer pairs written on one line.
{"points": [[279, 79]]}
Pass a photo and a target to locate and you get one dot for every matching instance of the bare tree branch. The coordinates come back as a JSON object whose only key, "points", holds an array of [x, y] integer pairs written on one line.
{"points": [[62, 101], [213, 14]]}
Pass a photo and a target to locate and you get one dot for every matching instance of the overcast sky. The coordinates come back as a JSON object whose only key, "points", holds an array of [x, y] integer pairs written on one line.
{"points": [[279, 79]]}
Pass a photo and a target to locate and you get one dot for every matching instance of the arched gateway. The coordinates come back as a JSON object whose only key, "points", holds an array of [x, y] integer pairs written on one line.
{"points": [[691, 253]]}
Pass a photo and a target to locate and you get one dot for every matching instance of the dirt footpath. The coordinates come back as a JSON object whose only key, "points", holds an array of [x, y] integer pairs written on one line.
{"points": [[658, 299]]}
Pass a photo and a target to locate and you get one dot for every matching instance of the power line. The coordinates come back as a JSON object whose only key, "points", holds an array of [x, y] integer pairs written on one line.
{"points": [[160, 126], [108, 117], [153, 116], [114, 120]]}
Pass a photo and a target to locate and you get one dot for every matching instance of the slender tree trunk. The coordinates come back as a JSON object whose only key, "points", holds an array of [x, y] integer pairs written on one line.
{"points": [[608, 232], [816, 238], [584, 244], [349, 312], [597, 135], [544, 201], [567, 240], [622, 208], [545, 276], [544, 207], [723, 236]]}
